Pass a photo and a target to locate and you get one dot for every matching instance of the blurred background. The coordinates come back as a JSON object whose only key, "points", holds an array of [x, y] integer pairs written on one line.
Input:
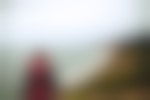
{"points": [[97, 46]]}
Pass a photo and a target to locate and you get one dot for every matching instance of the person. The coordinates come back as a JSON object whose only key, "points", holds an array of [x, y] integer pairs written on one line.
{"points": [[40, 80]]}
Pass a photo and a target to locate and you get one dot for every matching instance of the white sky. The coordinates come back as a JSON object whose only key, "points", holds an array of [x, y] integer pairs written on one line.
{"points": [[64, 22]]}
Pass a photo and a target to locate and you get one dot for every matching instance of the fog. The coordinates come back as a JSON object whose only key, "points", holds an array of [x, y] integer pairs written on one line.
{"points": [[74, 31]]}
